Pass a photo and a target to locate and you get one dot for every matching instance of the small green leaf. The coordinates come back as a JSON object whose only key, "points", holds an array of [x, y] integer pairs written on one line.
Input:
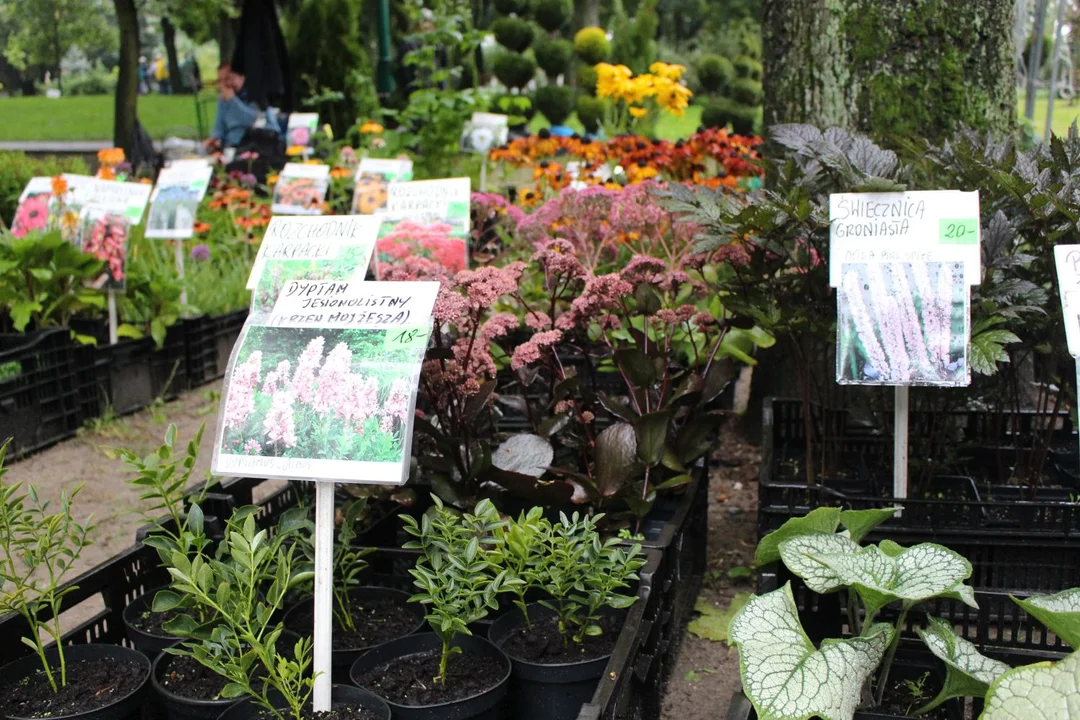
{"points": [[968, 672], [822, 520], [859, 523], [713, 622], [1043, 691], [651, 432], [1059, 612]]}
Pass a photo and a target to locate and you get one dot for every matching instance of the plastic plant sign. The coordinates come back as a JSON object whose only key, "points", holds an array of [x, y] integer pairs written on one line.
{"points": [[122, 198], [174, 203], [301, 189], [969, 673], [783, 673], [1059, 612], [430, 200], [1043, 691]]}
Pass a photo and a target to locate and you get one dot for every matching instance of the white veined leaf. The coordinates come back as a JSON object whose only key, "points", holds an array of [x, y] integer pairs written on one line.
{"points": [[820, 520], [1043, 691], [1059, 612], [860, 522], [918, 573], [800, 556], [786, 677], [969, 673]]}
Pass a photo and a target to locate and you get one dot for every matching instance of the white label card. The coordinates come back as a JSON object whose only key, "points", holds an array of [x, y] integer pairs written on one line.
{"points": [[429, 199], [1067, 258], [174, 203], [301, 189], [122, 198], [310, 238]]}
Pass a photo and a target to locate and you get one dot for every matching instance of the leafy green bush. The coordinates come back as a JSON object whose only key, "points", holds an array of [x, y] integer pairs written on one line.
{"points": [[556, 102], [519, 108], [592, 46], [633, 40], [553, 56], [715, 73], [748, 67], [586, 79], [590, 112], [723, 112], [513, 70], [746, 91], [514, 34], [96, 82], [511, 7], [17, 168], [552, 15]]}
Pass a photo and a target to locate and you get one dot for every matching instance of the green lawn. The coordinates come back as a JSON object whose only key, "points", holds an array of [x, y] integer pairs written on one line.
{"points": [[1065, 113], [91, 118]]}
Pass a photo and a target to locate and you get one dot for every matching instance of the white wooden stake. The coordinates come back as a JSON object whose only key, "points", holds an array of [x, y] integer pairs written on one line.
{"points": [[180, 270], [324, 579], [900, 443], [112, 318]]}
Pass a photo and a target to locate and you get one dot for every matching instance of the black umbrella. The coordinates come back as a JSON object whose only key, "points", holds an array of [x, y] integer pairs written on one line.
{"points": [[261, 57]]}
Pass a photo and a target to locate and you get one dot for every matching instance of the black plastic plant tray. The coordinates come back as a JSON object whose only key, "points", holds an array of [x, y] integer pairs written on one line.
{"points": [[39, 389]]}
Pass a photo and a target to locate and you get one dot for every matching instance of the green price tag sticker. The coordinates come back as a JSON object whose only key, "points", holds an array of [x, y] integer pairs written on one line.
{"points": [[458, 209], [958, 232], [134, 213], [414, 338]]}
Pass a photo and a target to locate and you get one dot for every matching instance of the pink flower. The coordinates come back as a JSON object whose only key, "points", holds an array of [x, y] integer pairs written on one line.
{"points": [[642, 268], [252, 447], [530, 351], [32, 214], [704, 319], [276, 378], [487, 284], [498, 325], [360, 400], [397, 402], [537, 320], [240, 402], [280, 423], [331, 380], [303, 380]]}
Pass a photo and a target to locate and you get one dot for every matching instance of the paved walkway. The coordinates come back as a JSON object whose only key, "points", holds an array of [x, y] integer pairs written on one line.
{"points": [[62, 147]]}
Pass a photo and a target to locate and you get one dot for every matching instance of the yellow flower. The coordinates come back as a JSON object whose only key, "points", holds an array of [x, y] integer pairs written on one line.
{"points": [[674, 98], [668, 72], [328, 131], [312, 161], [638, 112], [612, 80], [371, 128], [272, 178], [293, 150]]}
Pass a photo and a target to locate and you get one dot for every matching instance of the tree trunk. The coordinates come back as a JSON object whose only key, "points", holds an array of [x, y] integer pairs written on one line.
{"points": [[127, 82], [57, 50], [905, 67], [586, 13], [168, 32]]}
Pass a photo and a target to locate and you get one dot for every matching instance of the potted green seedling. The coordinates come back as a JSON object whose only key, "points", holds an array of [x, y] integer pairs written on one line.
{"points": [[448, 672], [561, 645], [38, 547]]}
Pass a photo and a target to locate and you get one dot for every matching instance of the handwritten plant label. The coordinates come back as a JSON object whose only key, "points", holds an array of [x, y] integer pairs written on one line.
{"points": [[174, 203], [123, 198], [324, 386], [301, 129], [439, 242], [903, 265], [1067, 258], [485, 131], [338, 247], [373, 178], [301, 189], [429, 200]]}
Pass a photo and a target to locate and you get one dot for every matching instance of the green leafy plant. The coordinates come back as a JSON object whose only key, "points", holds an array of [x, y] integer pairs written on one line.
{"points": [[591, 45], [457, 579], [513, 33], [714, 72], [556, 102], [520, 547], [513, 70], [348, 561], [245, 585], [746, 91], [37, 549], [553, 56], [591, 111], [552, 15]]}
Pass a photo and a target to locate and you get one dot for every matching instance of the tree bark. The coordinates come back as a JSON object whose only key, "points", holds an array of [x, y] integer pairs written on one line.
{"points": [[905, 67], [168, 32], [127, 82]]}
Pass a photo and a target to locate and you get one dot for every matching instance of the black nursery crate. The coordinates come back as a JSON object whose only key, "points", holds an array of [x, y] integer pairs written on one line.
{"points": [[131, 374], [227, 329], [200, 343], [39, 389]]}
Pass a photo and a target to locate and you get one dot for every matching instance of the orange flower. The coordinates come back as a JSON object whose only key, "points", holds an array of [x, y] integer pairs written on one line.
{"points": [[272, 178], [371, 128], [106, 173], [294, 150], [59, 185], [146, 181], [340, 172], [111, 156], [201, 227]]}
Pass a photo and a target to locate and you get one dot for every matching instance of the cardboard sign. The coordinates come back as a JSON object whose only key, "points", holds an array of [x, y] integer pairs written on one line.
{"points": [[299, 248], [438, 241], [485, 131], [301, 189], [174, 203], [122, 198], [903, 265], [33, 212], [104, 234], [324, 387], [301, 129], [373, 178], [1067, 258], [429, 200]]}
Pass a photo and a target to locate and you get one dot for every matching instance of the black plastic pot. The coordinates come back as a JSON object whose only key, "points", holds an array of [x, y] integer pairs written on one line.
{"points": [[150, 644], [341, 696], [342, 660], [120, 709], [178, 707], [545, 691], [487, 705]]}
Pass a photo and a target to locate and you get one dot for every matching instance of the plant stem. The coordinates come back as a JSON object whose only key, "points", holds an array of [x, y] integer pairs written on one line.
{"points": [[887, 665], [440, 679]]}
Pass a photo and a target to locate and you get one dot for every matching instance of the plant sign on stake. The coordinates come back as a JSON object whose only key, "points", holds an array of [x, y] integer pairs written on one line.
{"points": [[174, 204], [429, 200], [1067, 258], [903, 263], [323, 388], [373, 177], [301, 189], [301, 130], [483, 132]]}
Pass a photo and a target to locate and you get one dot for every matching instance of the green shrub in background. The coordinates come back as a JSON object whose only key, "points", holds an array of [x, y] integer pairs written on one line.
{"points": [[553, 15], [724, 111], [17, 168], [746, 91], [748, 67], [586, 79], [511, 7], [512, 33], [513, 70], [97, 81], [518, 108], [714, 73], [592, 46], [556, 102], [590, 112], [553, 56], [633, 41]]}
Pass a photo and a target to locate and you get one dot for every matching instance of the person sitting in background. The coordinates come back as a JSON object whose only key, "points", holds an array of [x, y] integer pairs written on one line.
{"points": [[234, 115]]}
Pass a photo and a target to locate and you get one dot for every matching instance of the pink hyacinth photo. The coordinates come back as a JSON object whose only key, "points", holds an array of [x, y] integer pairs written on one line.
{"points": [[105, 236], [902, 324]]}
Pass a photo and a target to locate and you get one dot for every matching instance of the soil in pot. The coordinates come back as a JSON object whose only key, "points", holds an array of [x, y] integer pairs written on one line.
{"points": [[407, 680], [375, 620], [185, 677], [544, 643], [334, 714], [92, 684], [346, 703]]}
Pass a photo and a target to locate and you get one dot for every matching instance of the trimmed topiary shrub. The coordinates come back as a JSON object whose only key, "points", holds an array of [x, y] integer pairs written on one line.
{"points": [[723, 112], [748, 67], [586, 78], [553, 15], [519, 108], [556, 102], [590, 111], [715, 73], [745, 91], [513, 70], [553, 56], [512, 7], [513, 34], [591, 45]]}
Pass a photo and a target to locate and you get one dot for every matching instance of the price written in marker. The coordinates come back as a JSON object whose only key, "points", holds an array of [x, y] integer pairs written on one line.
{"points": [[958, 232], [415, 338]]}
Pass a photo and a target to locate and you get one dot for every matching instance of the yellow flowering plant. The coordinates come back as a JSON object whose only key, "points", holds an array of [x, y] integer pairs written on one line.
{"points": [[637, 101]]}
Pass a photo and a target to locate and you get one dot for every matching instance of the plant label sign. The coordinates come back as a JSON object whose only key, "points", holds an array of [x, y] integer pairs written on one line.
{"points": [[301, 129], [485, 131], [104, 234], [337, 247], [1067, 258], [35, 209], [903, 264], [301, 189], [123, 198], [323, 387], [373, 177], [174, 203], [436, 241], [428, 200]]}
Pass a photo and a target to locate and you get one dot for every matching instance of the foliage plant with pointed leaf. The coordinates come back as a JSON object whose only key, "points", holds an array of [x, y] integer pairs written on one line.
{"points": [[245, 585], [520, 547], [348, 562], [37, 548], [455, 573]]}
